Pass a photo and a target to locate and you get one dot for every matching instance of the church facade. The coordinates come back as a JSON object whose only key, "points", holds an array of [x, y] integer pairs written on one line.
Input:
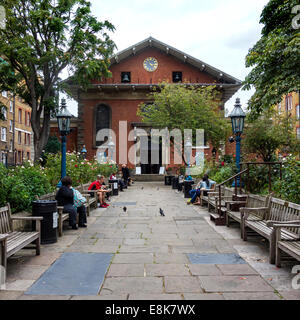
{"points": [[113, 102]]}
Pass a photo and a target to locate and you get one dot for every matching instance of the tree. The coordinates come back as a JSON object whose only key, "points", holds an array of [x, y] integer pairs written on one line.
{"points": [[176, 106], [270, 132], [274, 58], [40, 40], [53, 145]]}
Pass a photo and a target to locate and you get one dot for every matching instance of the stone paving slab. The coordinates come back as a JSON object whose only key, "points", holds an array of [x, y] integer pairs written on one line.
{"points": [[133, 258], [132, 285], [251, 296], [234, 284], [107, 297], [171, 258], [10, 295], [236, 269], [204, 270], [44, 297], [291, 294], [126, 270], [159, 270], [181, 284], [203, 296], [153, 297]]}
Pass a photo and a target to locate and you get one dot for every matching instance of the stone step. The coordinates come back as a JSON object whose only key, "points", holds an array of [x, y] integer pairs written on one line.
{"points": [[148, 177]]}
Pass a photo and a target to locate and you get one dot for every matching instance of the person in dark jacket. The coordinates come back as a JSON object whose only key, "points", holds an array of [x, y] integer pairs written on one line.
{"points": [[126, 175], [65, 198]]}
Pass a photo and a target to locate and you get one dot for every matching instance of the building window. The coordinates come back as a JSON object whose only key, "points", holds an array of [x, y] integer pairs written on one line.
{"points": [[28, 119], [11, 106], [288, 103], [4, 112], [10, 126], [298, 112], [28, 155], [10, 145], [125, 77], [3, 134], [298, 133], [4, 94], [20, 116], [177, 76], [279, 108], [103, 120], [19, 137]]}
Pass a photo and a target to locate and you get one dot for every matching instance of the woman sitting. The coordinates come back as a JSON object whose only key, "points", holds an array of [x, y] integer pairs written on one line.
{"points": [[205, 185]]}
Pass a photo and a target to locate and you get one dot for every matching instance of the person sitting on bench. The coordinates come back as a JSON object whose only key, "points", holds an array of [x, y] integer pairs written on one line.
{"points": [[206, 184], [99, 185]]}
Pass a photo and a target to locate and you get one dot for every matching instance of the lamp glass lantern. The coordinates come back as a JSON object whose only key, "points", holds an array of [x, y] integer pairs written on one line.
{"points": [[64, 119], [237, 118]]}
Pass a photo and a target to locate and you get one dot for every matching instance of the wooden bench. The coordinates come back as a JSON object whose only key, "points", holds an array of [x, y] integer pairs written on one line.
{"points": [[252, 201], [14, 241], [261, 221], [290, 247], [213, 198], [90, 200]]}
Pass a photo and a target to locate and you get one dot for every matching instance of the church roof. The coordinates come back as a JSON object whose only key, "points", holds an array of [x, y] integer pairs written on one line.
{"points": [[154, 43]]}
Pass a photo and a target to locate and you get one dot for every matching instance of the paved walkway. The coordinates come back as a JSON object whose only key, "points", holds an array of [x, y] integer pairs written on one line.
{"points": [[151, 254]]}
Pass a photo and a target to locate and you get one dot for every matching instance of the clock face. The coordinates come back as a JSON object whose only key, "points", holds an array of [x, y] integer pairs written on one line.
{"points": [[150, 64]]}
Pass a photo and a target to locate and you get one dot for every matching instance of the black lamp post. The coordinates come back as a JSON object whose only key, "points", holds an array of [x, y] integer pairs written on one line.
{"points": [[237, 121], [63, 120]]}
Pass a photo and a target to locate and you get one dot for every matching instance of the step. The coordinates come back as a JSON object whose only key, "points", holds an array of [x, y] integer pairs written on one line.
{"points": [[148, 177]]}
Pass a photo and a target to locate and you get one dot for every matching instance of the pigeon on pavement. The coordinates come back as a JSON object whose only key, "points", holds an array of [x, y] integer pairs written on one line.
{"points": [[124, 209], [161, 212]]}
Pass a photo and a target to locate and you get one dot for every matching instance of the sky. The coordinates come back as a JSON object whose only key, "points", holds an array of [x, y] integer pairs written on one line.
{"points": [[217, 32]]}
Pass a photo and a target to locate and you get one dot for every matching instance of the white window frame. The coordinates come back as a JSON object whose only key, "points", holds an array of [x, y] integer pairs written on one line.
{"points": [[3, 134], [298, 112], [19, 137], [4, 112], [298, 133], [10, 126], [11, 106], [4, 94], [10, 145]]}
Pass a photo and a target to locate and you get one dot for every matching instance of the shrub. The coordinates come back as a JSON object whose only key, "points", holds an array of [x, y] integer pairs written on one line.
{"points": [[289, 187]]}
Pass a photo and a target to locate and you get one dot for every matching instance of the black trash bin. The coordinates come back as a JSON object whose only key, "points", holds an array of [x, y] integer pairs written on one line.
{"points": [[49, 225], [169, 180], [114, 187], [187, 187], [175, 182]]}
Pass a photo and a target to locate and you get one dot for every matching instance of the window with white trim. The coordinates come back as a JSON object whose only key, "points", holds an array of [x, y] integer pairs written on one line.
{"points": [[20, 116], [19, 137], [11, 106], [298, 112], [4, 112], [3, 134], [298, 133], [288, 103], [4, 94], [10, 126], [10, 145]]}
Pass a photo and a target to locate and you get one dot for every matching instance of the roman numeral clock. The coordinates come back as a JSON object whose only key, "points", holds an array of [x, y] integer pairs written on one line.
{"points": [[150, 64]]}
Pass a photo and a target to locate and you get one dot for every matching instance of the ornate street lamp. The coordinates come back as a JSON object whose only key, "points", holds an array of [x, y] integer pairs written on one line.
{"points": [[63, 120], [237, 121], [111, 148]]}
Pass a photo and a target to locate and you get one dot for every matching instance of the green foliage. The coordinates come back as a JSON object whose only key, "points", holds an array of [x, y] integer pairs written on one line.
{"points": [[265, 135], [80, 171], [19, 186], [53, 145], [41, 39], [223, 174], [274, 59], [289, 187], [177, 106]]}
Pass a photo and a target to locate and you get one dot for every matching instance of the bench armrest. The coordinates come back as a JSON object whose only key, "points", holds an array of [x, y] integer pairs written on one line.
{"points": [[28, 218], [237, 202], [247, 211], [286, 225], [272, 223], [3, 236]]}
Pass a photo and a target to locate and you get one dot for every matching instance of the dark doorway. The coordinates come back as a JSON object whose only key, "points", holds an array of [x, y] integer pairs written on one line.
{"points": [[146, 153]]}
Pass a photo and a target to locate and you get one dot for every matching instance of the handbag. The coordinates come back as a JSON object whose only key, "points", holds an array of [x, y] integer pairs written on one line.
{"points": [[79, 199]]}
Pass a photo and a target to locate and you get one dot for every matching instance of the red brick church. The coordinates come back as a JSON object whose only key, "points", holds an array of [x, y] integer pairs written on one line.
{"points": [[135, 72]]}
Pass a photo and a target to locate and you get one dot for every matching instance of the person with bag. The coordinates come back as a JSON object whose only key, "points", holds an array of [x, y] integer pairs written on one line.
{"points": [[79, 201]]}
